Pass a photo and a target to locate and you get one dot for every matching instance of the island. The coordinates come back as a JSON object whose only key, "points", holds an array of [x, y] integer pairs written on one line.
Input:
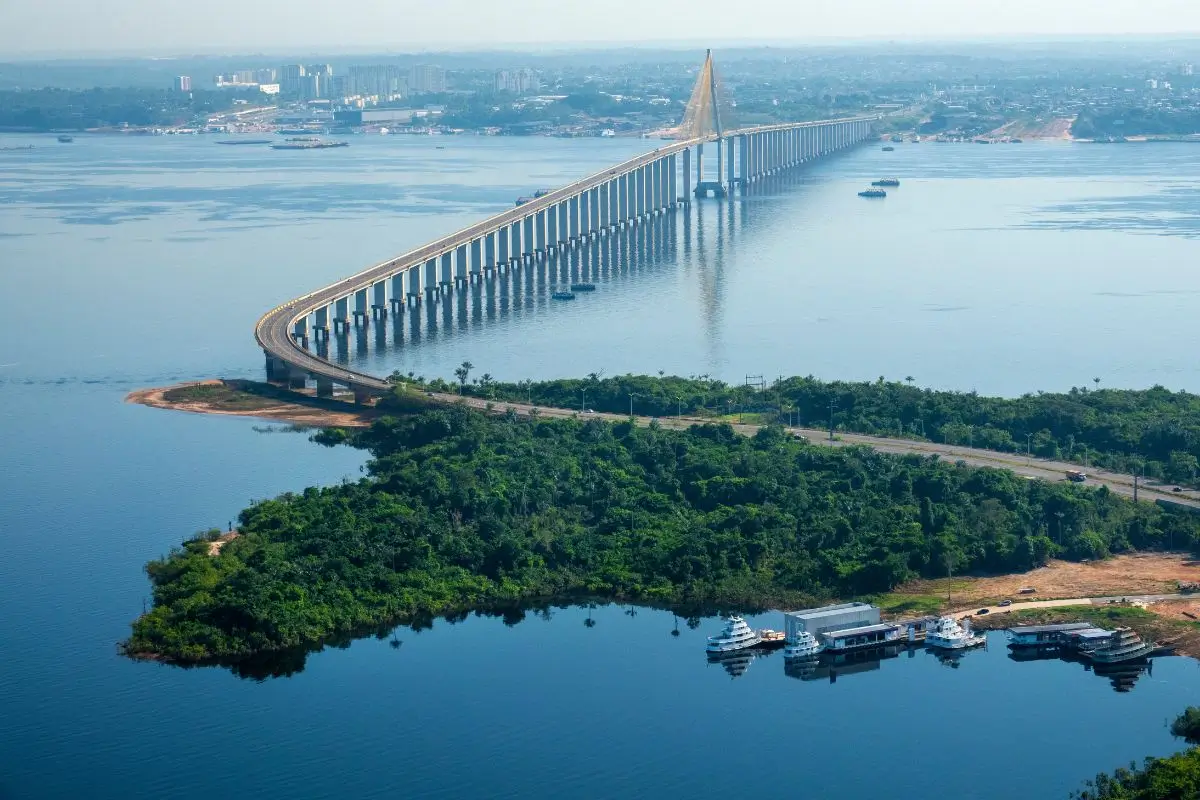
{"points": [[461, 509]]}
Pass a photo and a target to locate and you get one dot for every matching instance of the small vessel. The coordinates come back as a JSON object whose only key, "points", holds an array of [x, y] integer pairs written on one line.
{"points": [[1125, 645], [770, 638], [805, 645], [737, 635], [243, 141], [583, 287], [563, 296], [66, 139], [872, 193], [888, 148], [947, 634], [886, 182]]}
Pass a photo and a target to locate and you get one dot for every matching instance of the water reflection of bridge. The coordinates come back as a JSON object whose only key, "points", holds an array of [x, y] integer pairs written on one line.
{"points": [[617, 219]]}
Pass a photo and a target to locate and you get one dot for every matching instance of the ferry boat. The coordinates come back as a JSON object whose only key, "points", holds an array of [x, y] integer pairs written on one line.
{"points": [[583, 287], [872, 193], [66, 139], [563, 296], [947, 634], [888, 148], [804, 645], [886, 182], [737, 635], [1125, 645]]}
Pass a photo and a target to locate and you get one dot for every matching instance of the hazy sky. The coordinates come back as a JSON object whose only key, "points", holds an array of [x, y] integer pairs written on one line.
{"points": [[202, 26]]}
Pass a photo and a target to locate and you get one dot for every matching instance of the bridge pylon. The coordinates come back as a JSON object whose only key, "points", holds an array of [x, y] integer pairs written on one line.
{"points": [[706, 116]]}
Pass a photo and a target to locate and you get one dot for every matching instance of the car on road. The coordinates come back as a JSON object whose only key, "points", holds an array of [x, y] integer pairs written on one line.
{"points": [[1005, 603], [589, 411], [1177, 489], [982, 611]]}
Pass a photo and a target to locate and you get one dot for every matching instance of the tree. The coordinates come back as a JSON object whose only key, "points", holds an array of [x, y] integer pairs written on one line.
{"points": [[1187, 725], [462, 373]]}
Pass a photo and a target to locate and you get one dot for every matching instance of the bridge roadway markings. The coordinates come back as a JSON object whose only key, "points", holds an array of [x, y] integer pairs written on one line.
{"points": [[1046, 470], [273, 330]]}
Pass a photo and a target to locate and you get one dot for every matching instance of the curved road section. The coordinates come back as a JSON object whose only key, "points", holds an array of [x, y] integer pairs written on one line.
{"points": [[763, 150]]}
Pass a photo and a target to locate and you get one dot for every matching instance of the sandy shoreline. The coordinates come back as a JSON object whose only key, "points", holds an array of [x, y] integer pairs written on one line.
{"points": [[301, 411]]}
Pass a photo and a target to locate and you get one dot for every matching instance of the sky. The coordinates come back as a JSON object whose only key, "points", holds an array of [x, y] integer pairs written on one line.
{"points": [[194, 27]]}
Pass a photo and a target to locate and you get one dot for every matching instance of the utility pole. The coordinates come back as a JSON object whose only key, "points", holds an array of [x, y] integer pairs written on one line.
{"points": [[631, 405], [582, 400], [1028, 448], [832, 406]]}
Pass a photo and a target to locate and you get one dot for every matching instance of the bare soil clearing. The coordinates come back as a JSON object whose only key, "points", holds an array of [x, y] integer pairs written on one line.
{"points": [[214, 547], [1143, 573]]}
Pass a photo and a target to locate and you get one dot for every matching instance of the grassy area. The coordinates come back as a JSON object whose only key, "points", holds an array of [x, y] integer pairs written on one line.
{"points": [[228, 395], [910, 604]]}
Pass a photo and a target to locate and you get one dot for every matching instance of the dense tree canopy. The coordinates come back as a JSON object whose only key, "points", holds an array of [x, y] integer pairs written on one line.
{"points": [[1176, 777], [1120, 429], [462, 510]]}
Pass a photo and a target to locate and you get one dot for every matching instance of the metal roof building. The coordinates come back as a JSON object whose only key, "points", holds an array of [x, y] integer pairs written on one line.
{"points": [[829, 618]]}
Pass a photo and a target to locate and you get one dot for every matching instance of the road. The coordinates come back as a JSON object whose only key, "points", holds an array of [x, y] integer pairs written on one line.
{"points": [[1116, 482], [1032, 605]]}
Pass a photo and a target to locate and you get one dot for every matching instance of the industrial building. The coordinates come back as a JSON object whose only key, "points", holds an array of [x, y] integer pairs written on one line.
{"points": [[818, 621]]}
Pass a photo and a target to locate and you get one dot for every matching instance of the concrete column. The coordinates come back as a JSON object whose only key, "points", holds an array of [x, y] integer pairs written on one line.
{"points": [[643, 207], [551, 227], [729, 172], [672, 180], [461, 262], [447, 276], [502, 235], [321, 323], [414, 281], [585, 213], [606, 204], [296, 378], [300, 331], [687, 174], [379, 299], [539, 231], [362, 314], [341, 314], [743, 157], [324, 387], [489, 249], [720, 161], [431, 274], [398, 294], [699, 164], [594, 211], [562, 223], [528, 242]]}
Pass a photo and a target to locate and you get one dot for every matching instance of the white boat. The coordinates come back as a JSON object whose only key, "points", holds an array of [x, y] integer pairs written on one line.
{"points": [[947, 634], [736, 636], [804, 645], [1124, 645]]}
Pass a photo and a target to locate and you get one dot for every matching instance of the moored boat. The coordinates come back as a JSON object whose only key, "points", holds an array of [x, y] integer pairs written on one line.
{"points": [[1123, 645], [737, 635], [886, 182], [583, 287], [771, 638], [66, 139], [563, 296], [948, 634], [888, 148], [872, 193], [803, 645]]}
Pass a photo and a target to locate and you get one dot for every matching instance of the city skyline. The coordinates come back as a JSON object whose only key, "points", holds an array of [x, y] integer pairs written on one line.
{"points": [[64, 28]]}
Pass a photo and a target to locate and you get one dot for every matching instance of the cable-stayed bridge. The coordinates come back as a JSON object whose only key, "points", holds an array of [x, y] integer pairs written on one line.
{"points": [[627, 195]]}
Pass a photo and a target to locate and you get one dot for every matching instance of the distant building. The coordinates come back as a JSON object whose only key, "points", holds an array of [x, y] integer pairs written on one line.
{"points": [[517, 81], [183, 83], [383, 81], [1186, 70], [424, 78], [290, 78], [269, 88], [1152, 83]]}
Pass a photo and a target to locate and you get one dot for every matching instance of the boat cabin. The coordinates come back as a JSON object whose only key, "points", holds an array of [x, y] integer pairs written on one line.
{"points": [[865, 636], [1043, 635]]}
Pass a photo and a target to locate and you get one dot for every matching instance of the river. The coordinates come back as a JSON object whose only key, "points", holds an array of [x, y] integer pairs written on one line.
{"points": [[130, 262]]}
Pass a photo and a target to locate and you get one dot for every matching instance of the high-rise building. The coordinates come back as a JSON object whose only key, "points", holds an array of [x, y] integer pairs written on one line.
{"points": [[290, 77], [385, 81], [424, 78], [517, 81], [1186, 70], [183, 83]]}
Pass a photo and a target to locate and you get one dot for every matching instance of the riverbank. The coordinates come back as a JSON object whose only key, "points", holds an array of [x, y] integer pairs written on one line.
{"points": [[243, 398]]}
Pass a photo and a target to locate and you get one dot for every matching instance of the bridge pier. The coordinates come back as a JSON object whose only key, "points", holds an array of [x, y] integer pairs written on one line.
{"points": [[324, 387]]}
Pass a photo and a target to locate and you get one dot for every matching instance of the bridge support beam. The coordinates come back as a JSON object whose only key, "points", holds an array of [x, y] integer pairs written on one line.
{"points": [[687, 174], [361, 316], [324, 387], [321, 323], [341, 315]]}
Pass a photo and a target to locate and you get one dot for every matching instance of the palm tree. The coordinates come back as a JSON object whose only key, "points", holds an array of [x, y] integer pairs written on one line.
{"points": [[589, 622], [462, 373], [1097, 381], [909, 379], [675, 630]]}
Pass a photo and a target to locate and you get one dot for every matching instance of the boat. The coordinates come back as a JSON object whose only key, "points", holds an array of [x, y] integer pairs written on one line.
{"points": [[804, 645], [888, 149], [1124, 645], [770, 638], [243, 141], [66, 139], [583, 287], [307, 143], [563, 296], [947, 634], [872, 193], [737, 635], [886, 182]]}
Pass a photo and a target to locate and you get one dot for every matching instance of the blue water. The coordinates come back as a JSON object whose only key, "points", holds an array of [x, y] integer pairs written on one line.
{"points": [[137, 262]]}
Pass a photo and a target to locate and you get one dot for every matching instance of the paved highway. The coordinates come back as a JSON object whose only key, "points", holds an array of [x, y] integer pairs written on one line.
{"points": [[1030, 467]]}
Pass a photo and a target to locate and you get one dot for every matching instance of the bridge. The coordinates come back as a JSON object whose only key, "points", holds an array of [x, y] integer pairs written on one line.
{"points": [[624, 196]]}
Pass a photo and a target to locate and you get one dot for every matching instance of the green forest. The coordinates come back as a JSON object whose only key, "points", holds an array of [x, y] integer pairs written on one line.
{"points": [[1175, 777], [461, 510], [65, 109], [1136, 122], [1126, 430]]}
